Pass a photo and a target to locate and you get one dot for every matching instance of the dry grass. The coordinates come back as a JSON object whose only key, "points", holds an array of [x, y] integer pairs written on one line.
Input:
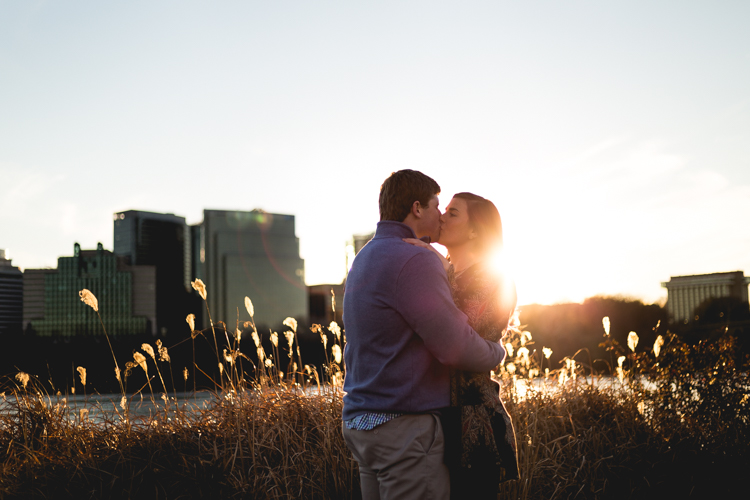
{"points": [[682, 435], [579, 442], [261, 445]]}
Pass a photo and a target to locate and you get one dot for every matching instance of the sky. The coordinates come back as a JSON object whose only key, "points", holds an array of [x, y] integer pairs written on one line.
{"points": [[614, 138]]}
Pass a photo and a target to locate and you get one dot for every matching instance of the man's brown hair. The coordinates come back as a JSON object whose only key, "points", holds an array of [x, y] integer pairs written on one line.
{"points": [[399, 192]]}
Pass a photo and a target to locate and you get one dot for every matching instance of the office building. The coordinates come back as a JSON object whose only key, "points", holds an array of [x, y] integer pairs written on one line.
{"points": [[686, 293], [11, 296], [163, 241], [126, 296], [253, 254]]}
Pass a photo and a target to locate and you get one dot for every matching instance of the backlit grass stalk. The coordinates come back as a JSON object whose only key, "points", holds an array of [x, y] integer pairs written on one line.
{"points": [[89, 299], [200, 287]]}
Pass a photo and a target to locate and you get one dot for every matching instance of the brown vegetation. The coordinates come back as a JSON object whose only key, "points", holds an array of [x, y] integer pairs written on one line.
{"points": [[676, 424]]}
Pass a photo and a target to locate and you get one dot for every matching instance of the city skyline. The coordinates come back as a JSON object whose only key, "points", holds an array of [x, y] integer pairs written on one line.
{"points": [[613, 139]]}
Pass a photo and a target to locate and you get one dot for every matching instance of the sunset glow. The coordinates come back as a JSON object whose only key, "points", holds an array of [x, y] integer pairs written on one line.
{"points": [[616, 160]]}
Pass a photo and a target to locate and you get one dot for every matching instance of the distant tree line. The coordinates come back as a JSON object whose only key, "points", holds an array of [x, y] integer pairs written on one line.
{"points": [[567, 328]]}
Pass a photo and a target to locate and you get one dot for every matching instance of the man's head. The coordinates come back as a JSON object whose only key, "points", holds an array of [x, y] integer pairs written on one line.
{"points": [[410, 197]]}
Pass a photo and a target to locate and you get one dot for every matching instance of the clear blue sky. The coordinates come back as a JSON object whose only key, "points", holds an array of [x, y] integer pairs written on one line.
{"points": [[614, 138]]}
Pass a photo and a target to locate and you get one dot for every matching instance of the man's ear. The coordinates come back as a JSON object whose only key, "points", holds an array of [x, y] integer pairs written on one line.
{"points": [[416, 209]]}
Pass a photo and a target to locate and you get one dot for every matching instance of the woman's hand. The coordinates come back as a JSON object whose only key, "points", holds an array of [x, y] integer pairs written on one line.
{"points": [[419, 243]]}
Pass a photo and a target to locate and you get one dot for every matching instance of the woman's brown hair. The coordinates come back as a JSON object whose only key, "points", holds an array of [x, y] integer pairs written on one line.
{"points": [[485, 220]]}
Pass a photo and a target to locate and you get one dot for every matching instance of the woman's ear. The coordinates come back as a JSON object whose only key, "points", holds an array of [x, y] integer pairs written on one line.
{"points": [[473, 234]]}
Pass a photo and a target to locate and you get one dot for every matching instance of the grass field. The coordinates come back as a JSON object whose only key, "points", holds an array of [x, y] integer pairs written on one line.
{"points": [[667, 422]]}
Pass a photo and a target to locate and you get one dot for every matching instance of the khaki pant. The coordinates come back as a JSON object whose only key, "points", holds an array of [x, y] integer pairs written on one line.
{"points": [[401, 459]]}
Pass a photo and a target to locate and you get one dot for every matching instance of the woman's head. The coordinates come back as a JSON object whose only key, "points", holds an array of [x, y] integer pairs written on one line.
{"points": [[471, 219]]}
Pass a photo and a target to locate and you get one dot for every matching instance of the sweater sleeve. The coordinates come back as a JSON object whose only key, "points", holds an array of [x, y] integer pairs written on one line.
{"points": [[424, 300]]}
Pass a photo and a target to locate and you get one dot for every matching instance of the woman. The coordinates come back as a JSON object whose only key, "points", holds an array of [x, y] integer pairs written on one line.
{"points": [[480, 441]]}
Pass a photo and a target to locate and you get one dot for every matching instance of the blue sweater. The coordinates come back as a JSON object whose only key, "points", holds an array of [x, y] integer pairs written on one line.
{"points": [[403, 331]]}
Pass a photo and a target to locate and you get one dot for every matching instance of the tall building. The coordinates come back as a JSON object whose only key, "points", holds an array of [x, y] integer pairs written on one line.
{"points": [[686, 293], [163, 241], [126, 296], [251, 254], [11, 296]]}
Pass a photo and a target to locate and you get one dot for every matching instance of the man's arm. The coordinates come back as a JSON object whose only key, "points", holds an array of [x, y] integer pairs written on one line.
{"points": [[424, 300]]}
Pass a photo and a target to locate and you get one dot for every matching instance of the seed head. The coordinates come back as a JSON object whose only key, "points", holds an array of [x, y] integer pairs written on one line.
{"points": [[657, 345], [290, 339], [23, 377], [185, 373], [140, 359], [200, 287], [82, 373], [605, 324], [334, 327], [275, 339], [336, 350], [324, 339], [632, 340], [547, 352], [620, 361], [509, 348], [525, 336], [148, 350], [523, 356], [230, 356], [191, 321], [291, 323], [249, 307], [256, 339], [123, 402], [163, 354], [89, 299], [269, 363]]}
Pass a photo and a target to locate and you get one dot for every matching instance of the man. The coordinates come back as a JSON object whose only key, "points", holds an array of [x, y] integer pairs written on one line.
{"points": [[404, 334]]}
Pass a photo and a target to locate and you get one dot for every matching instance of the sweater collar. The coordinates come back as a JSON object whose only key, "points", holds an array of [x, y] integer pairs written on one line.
{"points": [[393, 229]]}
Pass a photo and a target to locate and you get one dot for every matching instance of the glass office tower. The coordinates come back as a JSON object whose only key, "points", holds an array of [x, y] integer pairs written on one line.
{"points": [[163, 241], [253, 254], [126, 296]]}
